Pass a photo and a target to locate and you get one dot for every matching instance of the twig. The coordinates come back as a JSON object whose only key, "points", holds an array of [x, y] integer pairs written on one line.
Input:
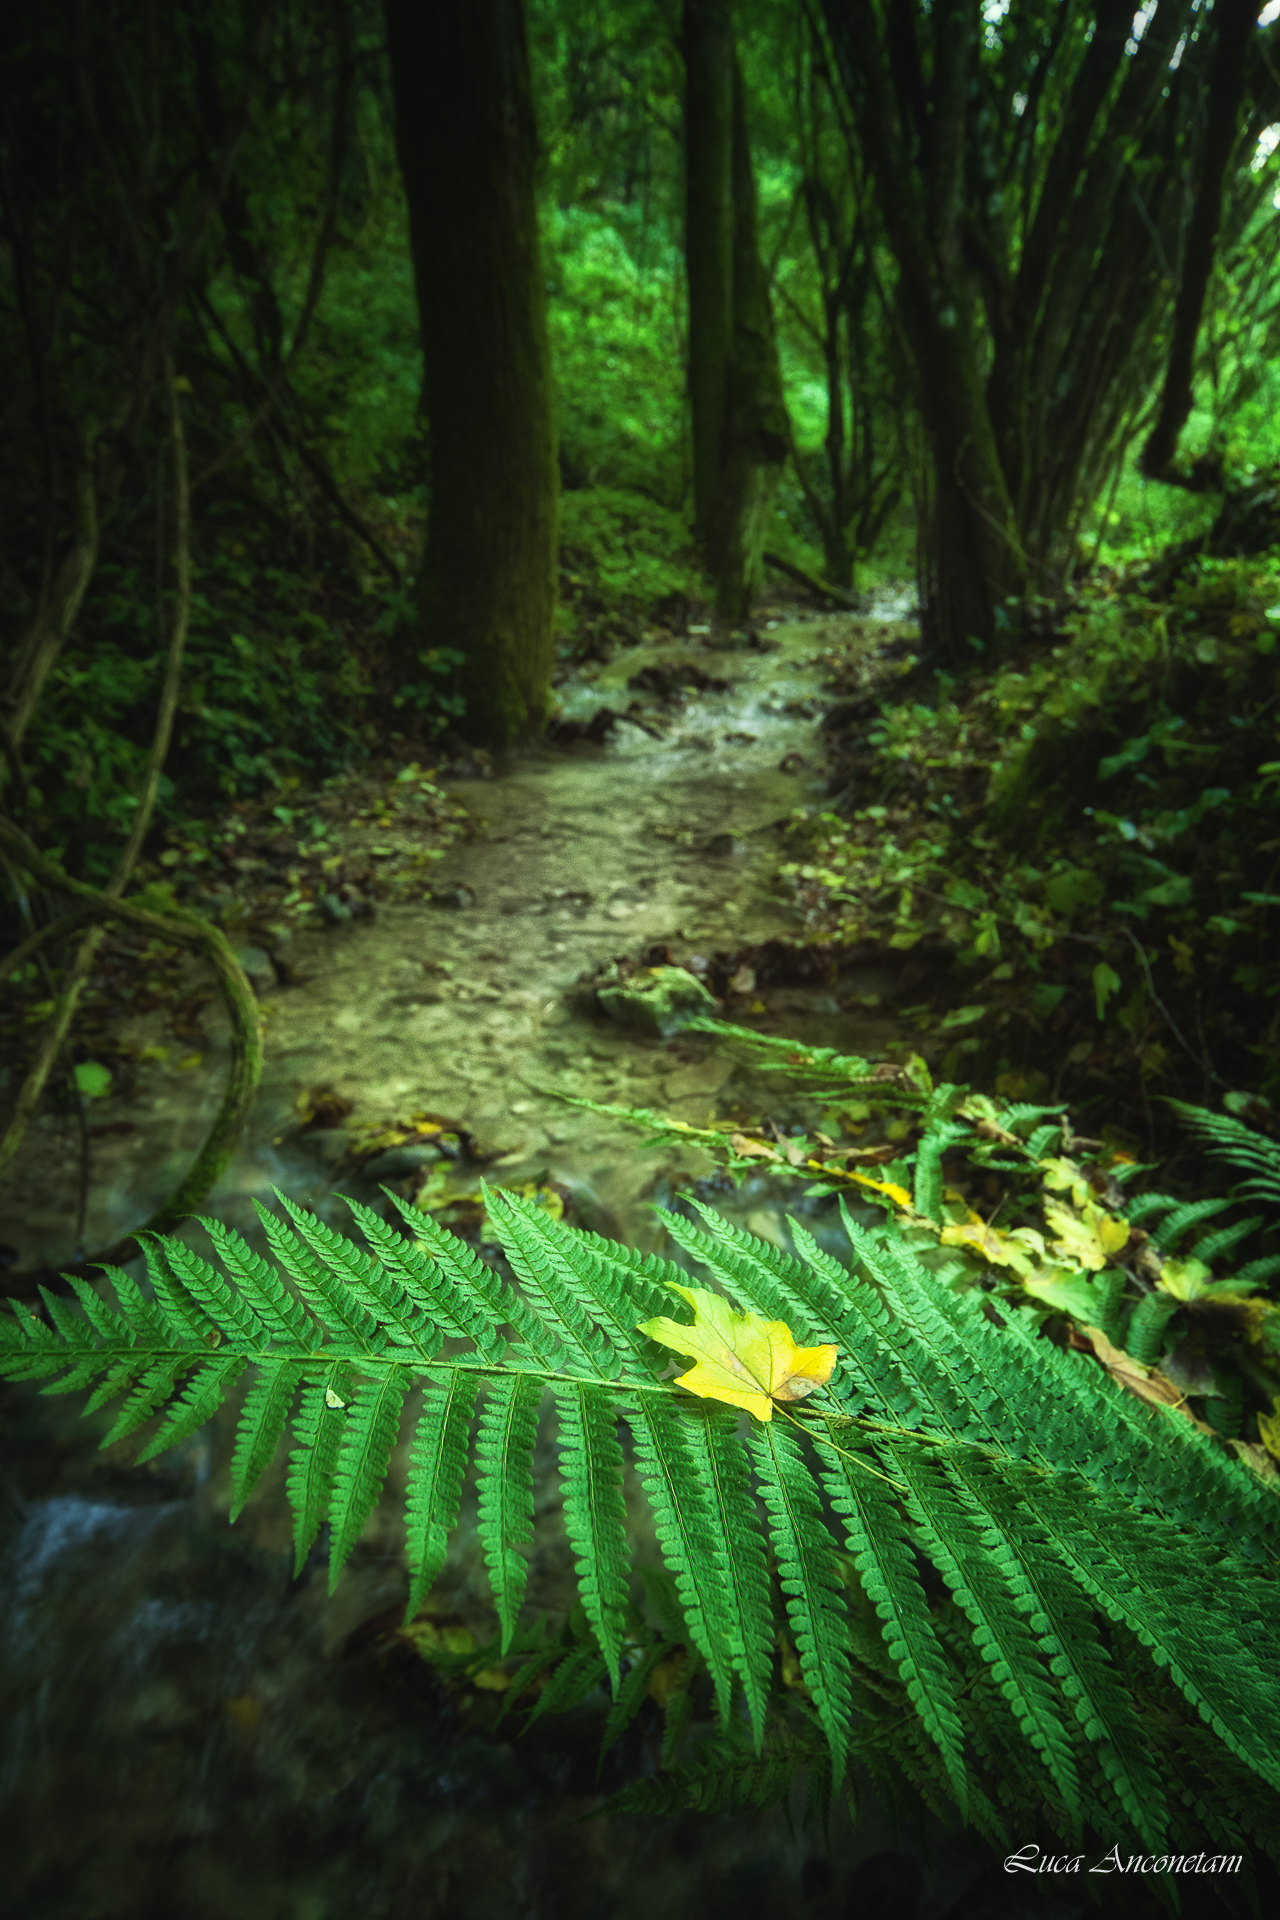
{"points": [[1174, 1028]]}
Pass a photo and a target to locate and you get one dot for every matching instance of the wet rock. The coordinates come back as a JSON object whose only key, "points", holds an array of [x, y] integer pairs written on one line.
{"points": [[396, 1162], [456, 899], [328, 1145], [658, 1000]]}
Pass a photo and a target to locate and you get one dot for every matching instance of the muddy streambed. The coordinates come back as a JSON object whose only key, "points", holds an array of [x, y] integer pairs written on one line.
{"points": [[187, 1732]]}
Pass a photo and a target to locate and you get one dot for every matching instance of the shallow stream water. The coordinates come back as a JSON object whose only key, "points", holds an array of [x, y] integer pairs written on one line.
{"points": [[189, 1732]]}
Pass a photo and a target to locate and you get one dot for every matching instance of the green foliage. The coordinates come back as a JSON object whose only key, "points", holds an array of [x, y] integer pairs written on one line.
{"points": [[1089, 829], [1101, 1562]]}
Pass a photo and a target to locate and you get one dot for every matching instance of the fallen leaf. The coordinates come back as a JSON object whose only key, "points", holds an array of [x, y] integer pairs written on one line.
{"points": [[1147, 1382], [748, 1149], [1088, 1238], [741, 1359]]}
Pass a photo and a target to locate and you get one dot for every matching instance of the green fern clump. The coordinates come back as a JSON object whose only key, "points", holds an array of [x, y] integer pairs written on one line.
{"points": [[1003, 1579]]}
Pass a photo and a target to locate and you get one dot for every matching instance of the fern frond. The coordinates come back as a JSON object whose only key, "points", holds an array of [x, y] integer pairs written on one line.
{"points": [[1200, 1629], [149, 1395], [632, 1692], [185, 1278], [369, 1434], [810, 1577], [201, 1399], [686, 1533], [286, 1318], [449, 1293], [877, 1536], [934, 1142], [318, 1432], [1242, 1146], [437, 1462], [604, 1279], [984, 1577], [262, 1421], [1189, 1214], [551, 1277], [387, 1303], [1214, 1245], [504, 1456], [334, 1304], [735, 1529], [478, 1293], [1064, 1627], [180, 1306], [591, 1470]]}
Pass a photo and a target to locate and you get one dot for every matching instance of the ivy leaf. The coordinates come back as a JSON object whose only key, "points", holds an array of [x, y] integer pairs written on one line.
{"points": [[741, 1359]]}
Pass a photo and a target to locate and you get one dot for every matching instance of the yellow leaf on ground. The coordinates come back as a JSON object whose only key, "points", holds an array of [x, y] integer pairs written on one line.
{"points": [[748, 1149], [1088, 1238], [1147, 1382], [741, 1359]]}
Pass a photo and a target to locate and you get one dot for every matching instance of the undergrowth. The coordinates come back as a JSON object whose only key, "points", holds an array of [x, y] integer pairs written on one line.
{"points": [[1088, 835]]}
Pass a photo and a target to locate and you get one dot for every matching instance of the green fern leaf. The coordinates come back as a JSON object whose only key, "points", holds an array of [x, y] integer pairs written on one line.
{"points": [[110, 1325], [928, 1179], [606, 1280], [442, 1291], [810, 1577], [1207, 1628], [975, 1563], [437, 1462], [723, 1471], [198, 1404], [330, 1300], [383, 1299], [369, 1434], [879, 1540], [262, 1421], [178, 1305], [153, 1389], [223, 1310], [591, 1469], [285, 1318], [1063, 1624], [504, 1456], [576, 1676], [552, 1280], [318, 1432], [686, 1532], [632, 1692], [481, 1293], [1189, 1214], [1231, 1140]]}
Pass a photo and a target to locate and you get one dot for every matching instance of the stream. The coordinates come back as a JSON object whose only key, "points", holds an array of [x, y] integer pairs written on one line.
{"points": [[188, 1732]]}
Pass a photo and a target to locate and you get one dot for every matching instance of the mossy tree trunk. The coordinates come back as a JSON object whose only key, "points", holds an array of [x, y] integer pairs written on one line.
{"points": [[735, 384], [467, 145]]}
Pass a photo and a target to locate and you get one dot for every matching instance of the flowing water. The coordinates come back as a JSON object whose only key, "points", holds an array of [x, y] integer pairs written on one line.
{"points": [[189, 1732]]}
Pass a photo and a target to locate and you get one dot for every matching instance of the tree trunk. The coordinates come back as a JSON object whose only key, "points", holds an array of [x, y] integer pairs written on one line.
{"points": [[735, 384], [467, 145]]}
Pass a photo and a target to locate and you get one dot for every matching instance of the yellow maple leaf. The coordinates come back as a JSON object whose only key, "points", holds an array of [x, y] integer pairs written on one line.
{"points": [[741, 1359], [1088, 1238]]}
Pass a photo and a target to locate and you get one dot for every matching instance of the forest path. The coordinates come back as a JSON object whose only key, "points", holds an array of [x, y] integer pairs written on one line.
{"points": [[581, 853]]}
